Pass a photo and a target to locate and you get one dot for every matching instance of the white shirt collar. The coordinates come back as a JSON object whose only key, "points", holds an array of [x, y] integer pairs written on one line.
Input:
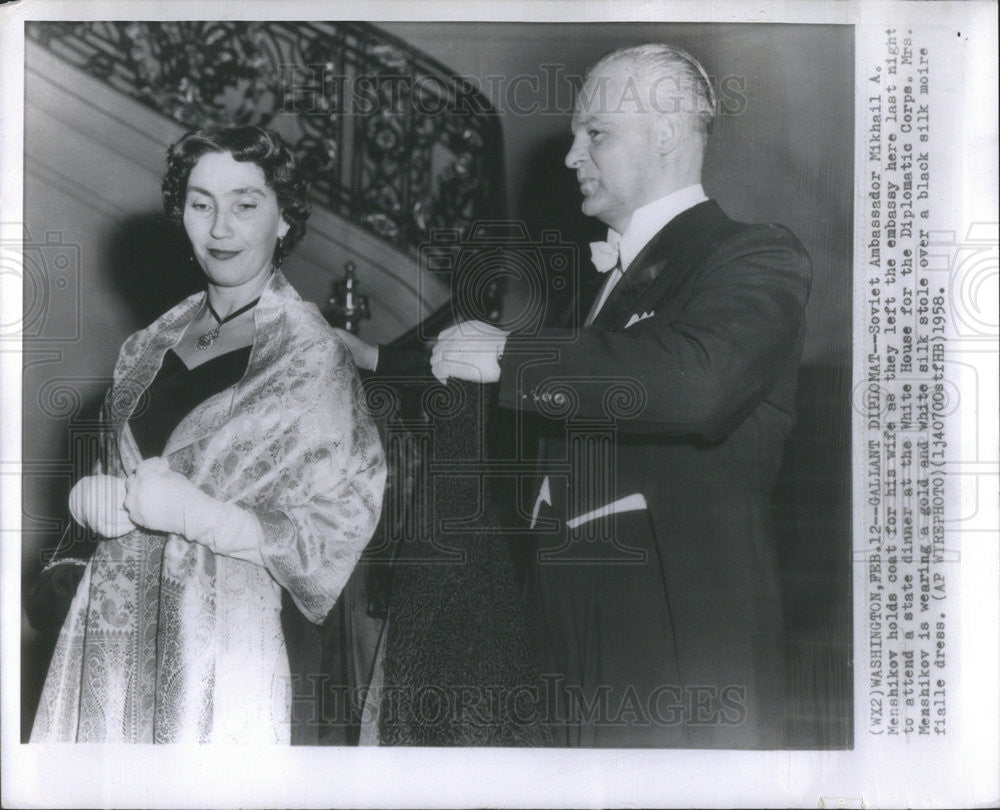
{"points": [[649, 220]]}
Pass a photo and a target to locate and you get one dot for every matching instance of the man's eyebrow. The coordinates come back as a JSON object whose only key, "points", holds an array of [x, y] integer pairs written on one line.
{"points": [[585, 120]]}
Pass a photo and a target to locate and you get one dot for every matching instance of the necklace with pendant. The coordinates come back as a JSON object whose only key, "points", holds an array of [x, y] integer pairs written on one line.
{"points": [[207, 340]]}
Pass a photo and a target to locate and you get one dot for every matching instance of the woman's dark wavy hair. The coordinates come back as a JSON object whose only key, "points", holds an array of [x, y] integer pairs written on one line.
{"points": [[250, 145]]}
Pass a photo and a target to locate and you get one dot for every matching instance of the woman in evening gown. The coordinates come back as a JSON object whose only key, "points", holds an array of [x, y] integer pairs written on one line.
{"points": [[239, 463]]}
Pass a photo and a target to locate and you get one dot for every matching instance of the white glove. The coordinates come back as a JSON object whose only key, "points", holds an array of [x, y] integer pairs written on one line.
{"points": [[96, 501], [162, 500], [470, 350]]}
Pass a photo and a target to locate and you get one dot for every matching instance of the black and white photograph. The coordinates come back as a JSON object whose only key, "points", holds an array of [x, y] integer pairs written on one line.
{"points": [[475, 398]]}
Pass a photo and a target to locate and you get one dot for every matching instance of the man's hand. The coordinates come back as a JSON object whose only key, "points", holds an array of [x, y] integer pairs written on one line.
{"points": [[469, 351], [365, 355]]}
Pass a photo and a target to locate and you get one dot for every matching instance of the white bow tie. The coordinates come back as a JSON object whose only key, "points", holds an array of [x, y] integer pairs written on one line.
{"points": [[604, 255]]}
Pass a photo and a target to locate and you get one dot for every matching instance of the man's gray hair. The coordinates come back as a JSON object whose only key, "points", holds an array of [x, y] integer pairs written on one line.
{"points": [[657, 62]]}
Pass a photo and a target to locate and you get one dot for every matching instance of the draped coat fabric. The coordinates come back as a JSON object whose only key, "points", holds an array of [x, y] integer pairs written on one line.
{"points": [[663, 622], [166, 641], [456, 663]]}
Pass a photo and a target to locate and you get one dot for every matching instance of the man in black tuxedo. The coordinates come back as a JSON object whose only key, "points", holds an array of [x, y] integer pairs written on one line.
{"points": [[654, 588]]}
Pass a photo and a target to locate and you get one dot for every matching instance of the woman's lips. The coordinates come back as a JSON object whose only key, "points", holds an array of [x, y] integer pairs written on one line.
{"points": [[222, 255]]}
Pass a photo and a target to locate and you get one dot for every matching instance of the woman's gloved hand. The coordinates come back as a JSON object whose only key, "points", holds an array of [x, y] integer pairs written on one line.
{"points": [[97, 503], [162, 500]]}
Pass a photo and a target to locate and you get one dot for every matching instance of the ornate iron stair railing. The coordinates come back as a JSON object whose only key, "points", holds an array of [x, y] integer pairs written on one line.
{"points": [[390, 140]]}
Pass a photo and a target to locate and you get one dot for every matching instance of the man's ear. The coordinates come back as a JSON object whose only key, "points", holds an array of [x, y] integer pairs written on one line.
{"points": [[668, 130]]}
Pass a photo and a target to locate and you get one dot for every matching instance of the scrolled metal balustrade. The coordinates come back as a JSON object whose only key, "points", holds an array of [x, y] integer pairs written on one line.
{"points": [[390, 140]]}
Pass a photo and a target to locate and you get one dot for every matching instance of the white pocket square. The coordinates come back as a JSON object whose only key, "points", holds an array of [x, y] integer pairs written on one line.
{"points": [[630, 503], [636, 318]]}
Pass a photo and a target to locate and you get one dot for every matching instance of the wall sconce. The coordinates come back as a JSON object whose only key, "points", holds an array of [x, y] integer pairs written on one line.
{"points": [[346, 306]]}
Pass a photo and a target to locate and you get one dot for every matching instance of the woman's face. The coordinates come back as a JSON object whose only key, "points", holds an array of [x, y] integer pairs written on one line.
{"points": [[232, 219]]}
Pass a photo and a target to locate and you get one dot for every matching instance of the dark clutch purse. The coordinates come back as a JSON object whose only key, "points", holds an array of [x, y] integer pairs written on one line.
{"points": [[48, 601]]}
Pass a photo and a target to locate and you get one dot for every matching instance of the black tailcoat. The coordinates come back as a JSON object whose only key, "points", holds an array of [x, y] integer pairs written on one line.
{"points": [[662, 626]]}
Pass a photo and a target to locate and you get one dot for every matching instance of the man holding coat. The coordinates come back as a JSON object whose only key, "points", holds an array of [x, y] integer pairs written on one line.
{"points": [[653, 590]]}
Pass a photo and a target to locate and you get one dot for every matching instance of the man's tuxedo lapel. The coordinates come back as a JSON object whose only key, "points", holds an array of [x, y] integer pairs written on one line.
{"points": [[641, 273], [669, 251], [590, 286], [633, 284]]}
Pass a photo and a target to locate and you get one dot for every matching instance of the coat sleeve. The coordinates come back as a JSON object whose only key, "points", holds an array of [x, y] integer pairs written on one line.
{"points": [[698, 370], [331, 502], [396, 362]]}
